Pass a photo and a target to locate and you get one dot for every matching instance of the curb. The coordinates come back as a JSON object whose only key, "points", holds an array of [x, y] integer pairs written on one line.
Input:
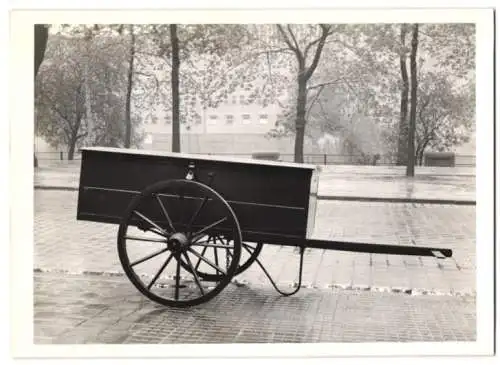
{"points": [[397, 200], [331, 197], [332, 287], [65, 188]]}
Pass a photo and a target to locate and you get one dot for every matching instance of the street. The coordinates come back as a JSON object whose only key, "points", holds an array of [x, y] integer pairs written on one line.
{"points": [[346, 296]]}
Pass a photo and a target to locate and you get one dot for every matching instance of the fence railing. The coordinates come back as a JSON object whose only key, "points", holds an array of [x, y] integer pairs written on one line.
{"points": [[311, 158]]}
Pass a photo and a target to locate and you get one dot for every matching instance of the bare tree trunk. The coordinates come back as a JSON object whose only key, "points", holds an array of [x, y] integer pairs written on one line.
{"points": [[403, 121], [304, 74], [421, 157], [410, 167], [300, 122], [71, 151], [176, 143], [130, 75], [418, 153], [89, 36], [41, 35], [73, 138], [422, 151]]}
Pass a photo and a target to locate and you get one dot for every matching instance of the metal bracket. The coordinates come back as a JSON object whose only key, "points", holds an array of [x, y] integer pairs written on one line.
{"points": [[190, 174], [285, 294]]}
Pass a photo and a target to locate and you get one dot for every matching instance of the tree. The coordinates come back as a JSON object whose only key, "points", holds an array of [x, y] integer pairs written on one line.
{"points": [[80, 94], [360, 77], [41, 34], [402, 157], [445, 114], [201, 47], [410, 167], [122, 38], [299, 42], [130, 86], [176, 142], [61, 104]]}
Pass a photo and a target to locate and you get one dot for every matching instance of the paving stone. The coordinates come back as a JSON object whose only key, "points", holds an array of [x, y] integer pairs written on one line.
{"points": [[245, 315], [103, 307], [66, 245]]}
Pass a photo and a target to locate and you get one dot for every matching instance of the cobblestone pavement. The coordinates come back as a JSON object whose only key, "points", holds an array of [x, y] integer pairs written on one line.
{"points": [[76, 309], [66, 245], [368, 182]]}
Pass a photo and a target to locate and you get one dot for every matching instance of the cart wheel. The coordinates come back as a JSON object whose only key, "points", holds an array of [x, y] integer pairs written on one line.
{"points": [[162, 242], [253, 251], [249, 254]]}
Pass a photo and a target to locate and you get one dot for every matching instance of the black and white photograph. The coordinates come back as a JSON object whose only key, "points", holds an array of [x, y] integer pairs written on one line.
{"points": [[230, 181]]}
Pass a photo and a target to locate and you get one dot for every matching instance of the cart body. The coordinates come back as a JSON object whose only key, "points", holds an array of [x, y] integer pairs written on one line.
{"points": [[275, 202]]}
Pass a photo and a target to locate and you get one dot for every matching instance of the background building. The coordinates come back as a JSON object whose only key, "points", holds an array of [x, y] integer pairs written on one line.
{"points": [[234, 127]]}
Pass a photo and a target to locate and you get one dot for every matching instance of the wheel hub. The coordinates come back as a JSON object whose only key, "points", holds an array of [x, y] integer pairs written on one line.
{"points": [[179, 241]]}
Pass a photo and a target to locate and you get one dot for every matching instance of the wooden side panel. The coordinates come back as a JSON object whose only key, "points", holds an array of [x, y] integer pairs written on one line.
{"points": [[271, 202], [313, 198]]}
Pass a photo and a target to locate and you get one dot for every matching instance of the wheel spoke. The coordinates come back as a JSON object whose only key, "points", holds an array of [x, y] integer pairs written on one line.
{"points": [[154, 254], [194, 273], [160, 271], [177, 277], [248, 247], [226, 246], [135, 238], [150, 222], [198, 234], [197, 213], [248, 250], [206, 244], [215, 255], [207, 261], [155, 231], [199, 260], [165, 213], [181, 199]]}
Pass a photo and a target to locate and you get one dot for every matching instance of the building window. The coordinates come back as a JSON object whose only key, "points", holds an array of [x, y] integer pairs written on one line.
{"points": [[154, 119], [229, 119], [242, 100], [234, 99], [168, 120], [197, 119], [212, 120], [246, 119], [263, 119]]}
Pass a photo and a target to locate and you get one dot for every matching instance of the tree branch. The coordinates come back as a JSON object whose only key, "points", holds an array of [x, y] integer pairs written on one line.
{"points": [[277, 50], [314, 100], [149, 75], [317, 55], [287, 40], [325, 84], [314, 42], [82, 135], [293, 36]]}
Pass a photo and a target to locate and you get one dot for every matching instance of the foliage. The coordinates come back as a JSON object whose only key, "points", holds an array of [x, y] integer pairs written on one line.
{"points": [[445, 114], [298, 50], [213, 65], [80, 92], [363, 75], [353, 91]]}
